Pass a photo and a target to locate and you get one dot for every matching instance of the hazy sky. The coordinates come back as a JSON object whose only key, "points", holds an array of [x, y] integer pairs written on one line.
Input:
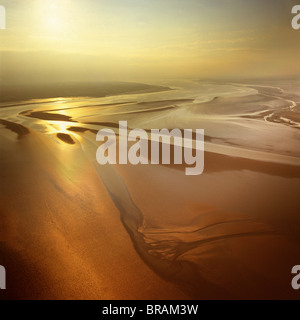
{"points": [[147, 39]]}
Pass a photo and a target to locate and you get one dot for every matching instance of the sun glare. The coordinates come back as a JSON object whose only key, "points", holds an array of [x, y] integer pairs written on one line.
{"points": [[53, 23], [54, 16]]}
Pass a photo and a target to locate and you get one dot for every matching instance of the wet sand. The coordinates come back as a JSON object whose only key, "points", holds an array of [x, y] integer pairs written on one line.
{"points": [[61, 236], [72, 229]]}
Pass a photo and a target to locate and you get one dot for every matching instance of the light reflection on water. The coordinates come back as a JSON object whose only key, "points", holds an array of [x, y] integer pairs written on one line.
{"points": [[158, 228]]}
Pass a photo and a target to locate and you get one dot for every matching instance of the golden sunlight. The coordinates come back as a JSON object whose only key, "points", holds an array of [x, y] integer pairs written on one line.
{"points": [[54, 16]]}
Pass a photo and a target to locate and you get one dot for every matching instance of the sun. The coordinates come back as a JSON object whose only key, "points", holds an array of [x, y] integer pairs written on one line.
{"points": [[53, 23], [54, 16]]}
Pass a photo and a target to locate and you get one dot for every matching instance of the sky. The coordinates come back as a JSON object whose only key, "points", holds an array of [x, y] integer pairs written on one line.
{"points": [[143, 40]]}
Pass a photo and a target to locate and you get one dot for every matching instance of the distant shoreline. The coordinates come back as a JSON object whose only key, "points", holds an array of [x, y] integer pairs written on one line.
{"points": [[28, 91]]}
